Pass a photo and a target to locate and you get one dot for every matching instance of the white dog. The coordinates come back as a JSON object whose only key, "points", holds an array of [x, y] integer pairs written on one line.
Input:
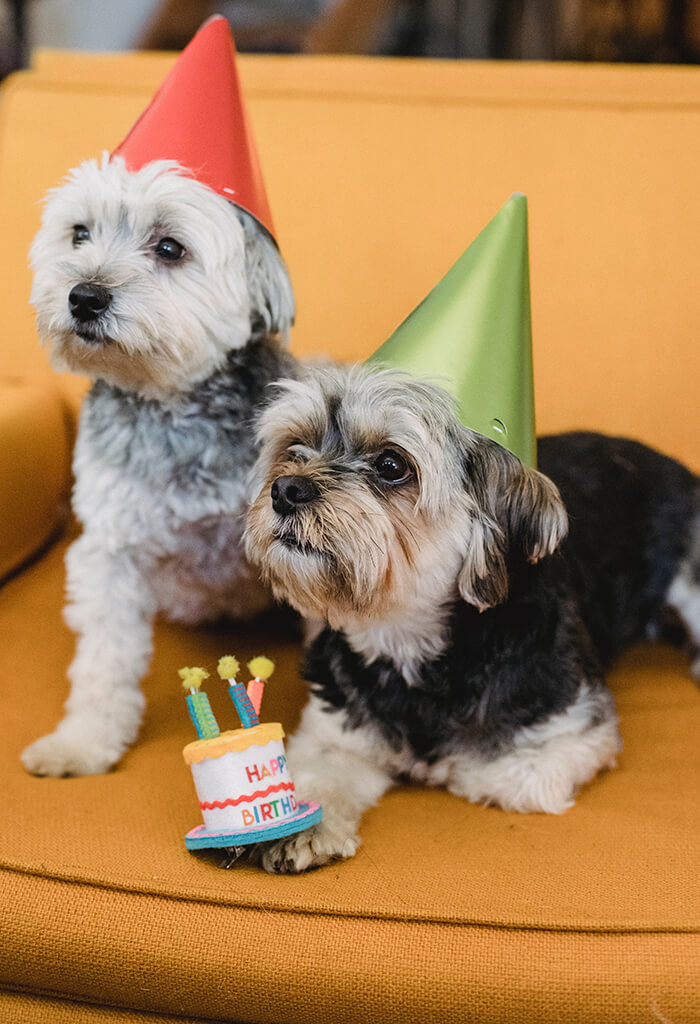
{"points": [[175, 303]]}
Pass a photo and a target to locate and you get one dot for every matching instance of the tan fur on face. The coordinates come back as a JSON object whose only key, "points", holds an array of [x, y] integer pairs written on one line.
{"points": [[371, 552], [358, 548]]}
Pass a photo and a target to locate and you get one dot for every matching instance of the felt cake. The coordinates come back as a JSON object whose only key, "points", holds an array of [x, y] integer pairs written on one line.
{"points": [[246, 793]]}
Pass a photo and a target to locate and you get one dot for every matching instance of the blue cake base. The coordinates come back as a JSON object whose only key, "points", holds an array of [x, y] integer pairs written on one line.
{"points": [[306, 816]]}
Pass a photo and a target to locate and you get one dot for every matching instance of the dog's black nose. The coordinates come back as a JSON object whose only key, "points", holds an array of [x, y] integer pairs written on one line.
{"points": [[287, 492], [87, 301]]}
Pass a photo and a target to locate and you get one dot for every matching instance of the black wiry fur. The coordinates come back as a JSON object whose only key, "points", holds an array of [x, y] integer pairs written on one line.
{"points": [[565, 619]]}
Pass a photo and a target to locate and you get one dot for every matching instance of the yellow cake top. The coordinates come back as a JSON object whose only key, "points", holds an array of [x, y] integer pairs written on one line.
{"points": [[233, 740]]}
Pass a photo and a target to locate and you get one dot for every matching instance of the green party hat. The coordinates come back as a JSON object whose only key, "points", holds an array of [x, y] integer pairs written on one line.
{"points": [[472, 334]]}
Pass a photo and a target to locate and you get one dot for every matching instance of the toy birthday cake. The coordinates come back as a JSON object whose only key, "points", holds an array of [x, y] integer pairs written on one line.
{"points": [[246, 793]]}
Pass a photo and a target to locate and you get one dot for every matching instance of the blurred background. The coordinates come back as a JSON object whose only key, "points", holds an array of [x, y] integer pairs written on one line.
{"points": [[664, 31]]}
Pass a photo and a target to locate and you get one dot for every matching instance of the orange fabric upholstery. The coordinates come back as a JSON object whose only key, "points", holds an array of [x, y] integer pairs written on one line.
{"points": [[34, 469], [379, 173]]}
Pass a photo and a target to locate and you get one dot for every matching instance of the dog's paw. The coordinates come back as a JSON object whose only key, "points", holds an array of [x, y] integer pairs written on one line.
{"points": [[69, 752], [310, 849]]}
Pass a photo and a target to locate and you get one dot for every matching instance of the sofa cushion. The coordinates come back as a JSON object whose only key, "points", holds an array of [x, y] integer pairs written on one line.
{"points": [[206, 961], [433, 869], [34, 469]]}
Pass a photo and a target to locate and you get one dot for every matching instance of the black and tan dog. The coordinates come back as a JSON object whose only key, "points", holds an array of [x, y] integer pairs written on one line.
{"points": [[471, 604]]}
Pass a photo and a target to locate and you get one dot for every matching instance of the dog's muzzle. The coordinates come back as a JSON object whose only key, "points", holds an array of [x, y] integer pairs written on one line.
{"points": [[289, 492], [88, 302]]}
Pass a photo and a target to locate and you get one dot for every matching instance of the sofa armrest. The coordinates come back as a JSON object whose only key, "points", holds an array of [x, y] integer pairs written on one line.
{"points": [[34, 469]]}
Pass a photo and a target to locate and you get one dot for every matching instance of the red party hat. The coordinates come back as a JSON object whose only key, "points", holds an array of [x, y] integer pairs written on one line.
{"points": [[198, 118]]}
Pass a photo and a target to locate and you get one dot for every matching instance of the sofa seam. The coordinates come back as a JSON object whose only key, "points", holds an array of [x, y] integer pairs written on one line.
{"points": [[82, 1001], [396, 97], [272, 910]]}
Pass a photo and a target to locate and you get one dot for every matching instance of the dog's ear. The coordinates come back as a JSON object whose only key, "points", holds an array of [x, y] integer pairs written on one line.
{"points": [[516, 513], [269, 287]]}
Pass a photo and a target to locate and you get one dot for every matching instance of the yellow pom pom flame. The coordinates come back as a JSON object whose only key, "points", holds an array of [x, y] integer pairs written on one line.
{"points": [[228, 667], [192, 678], [261, 668]]}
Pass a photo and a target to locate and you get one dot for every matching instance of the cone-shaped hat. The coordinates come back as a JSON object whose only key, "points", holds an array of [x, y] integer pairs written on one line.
{"points": [[472, 333], [198, 118]]}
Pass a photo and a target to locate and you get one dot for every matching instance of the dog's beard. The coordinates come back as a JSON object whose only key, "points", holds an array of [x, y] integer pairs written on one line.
{"points": [[96, 354], [149, 355], [345, 554]]}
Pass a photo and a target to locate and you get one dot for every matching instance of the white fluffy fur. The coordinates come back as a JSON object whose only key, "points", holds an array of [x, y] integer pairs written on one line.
{"points": [[156, 538], [172, 325], [346, 771]]}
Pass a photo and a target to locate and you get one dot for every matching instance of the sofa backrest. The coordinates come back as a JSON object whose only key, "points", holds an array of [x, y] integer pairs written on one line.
{"points": [[381, 172]]}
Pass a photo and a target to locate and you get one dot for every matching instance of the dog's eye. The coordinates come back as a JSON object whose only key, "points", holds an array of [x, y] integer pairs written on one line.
{"points": [[80, 234], [169, 250], [392, 467]]}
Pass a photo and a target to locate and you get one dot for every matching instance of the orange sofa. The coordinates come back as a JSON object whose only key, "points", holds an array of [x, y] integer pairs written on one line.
{"points": [[379, 174]]}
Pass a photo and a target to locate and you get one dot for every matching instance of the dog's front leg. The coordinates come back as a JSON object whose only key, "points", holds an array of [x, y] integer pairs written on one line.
{"points": [[343, 769], [111, 608]]}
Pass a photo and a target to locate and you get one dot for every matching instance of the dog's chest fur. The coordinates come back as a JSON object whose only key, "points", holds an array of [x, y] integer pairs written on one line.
{"points": [[474, 695], [172, 480]]}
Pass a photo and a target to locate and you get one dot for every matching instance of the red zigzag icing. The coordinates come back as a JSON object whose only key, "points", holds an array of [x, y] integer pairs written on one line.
{"points": [[209, 806]]}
